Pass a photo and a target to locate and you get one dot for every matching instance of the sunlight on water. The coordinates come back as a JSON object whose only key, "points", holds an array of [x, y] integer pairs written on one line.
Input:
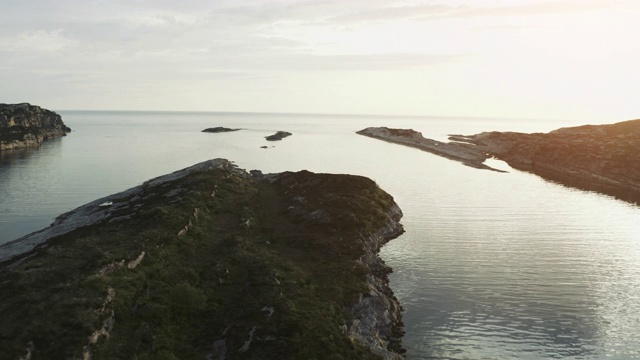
{"points": [[493, 265]]}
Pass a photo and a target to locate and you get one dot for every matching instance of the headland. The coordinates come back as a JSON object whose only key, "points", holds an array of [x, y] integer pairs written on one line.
{"points": [[24, 125], [601, 158], [209, 262]]}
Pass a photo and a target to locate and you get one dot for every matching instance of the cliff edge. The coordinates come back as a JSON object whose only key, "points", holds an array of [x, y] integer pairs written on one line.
{"points": [[209, 262], [23, 125]]}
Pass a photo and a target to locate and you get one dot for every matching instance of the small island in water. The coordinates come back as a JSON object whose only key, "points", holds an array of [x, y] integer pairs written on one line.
{"points": [[209, 262], [219, 129], [602, 158], [24, 125]]}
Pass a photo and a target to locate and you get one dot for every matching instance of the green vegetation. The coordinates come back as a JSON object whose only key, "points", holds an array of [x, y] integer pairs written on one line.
{"points": [[259, 270]]}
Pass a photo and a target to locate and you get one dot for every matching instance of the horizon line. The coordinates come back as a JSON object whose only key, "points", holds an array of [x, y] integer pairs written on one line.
{"points": [[310, 114]]}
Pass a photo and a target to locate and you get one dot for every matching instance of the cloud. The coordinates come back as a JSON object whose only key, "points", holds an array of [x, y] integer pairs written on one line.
{"points": [[37, 41], [85, 49], [431, 11]]}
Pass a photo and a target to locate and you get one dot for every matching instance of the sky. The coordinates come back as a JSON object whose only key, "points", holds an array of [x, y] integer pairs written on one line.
{"points": [[564, 59]]}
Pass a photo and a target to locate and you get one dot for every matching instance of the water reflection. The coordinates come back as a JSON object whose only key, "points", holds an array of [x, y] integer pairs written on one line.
{"points": [[492, 266], [30, 194], [11, 157], [512, 266]]}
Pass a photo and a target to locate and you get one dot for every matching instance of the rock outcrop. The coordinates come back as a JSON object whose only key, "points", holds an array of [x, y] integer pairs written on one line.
{"points": [[219, 129], [463, 153], [23, 125], [278, 136], [209, 262], [602, 158]]}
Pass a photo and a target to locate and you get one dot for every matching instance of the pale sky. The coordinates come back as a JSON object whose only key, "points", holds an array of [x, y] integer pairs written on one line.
{"points": [[566, 59]]}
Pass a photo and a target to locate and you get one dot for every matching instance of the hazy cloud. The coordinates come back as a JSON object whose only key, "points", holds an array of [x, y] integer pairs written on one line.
{"points": [[127, 49]]}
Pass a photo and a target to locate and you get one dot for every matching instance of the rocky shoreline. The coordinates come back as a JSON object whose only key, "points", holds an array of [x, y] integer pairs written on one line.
{"points": [[24, 125], [601, 158], [209, 262], [465, 154]]}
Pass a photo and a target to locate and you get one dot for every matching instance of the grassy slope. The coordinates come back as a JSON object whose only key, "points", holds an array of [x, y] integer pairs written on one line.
{"points": [[217, 282]]}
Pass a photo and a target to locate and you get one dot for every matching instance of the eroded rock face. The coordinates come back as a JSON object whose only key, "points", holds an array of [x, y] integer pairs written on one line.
{"points": [[23, 125]]}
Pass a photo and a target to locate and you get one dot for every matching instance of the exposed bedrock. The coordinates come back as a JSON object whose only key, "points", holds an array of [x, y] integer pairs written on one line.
{"points": [[23, 125], [278, 136]]}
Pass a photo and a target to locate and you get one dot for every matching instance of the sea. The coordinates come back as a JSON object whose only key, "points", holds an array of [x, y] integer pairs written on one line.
{"points": [[491, 266]]}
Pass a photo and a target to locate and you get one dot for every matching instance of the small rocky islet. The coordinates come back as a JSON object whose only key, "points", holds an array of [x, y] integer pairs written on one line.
{"points": [[219, 129], [278, 136], [209, 262], [601, 158], [25, 125]]}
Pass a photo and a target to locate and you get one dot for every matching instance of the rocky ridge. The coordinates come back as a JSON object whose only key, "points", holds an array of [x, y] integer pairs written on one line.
{"points": [[602, 158], [23, 125], [209, 262]]}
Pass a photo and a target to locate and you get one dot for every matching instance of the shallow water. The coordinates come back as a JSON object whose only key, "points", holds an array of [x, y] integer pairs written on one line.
{"points": [[492, 265]]}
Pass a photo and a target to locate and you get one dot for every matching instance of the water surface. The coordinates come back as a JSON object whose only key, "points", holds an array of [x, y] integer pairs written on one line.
{"points": [[492, 265]]}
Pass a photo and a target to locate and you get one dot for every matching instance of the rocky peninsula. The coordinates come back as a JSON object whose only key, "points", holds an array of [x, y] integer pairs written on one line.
{"points": [[465, 154], [602, 158], [23, 125], [209, 262]]}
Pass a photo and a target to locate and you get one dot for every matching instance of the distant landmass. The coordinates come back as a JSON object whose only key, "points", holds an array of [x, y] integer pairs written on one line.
{"points": [[209, 262], [602, 158], [23, 125]]}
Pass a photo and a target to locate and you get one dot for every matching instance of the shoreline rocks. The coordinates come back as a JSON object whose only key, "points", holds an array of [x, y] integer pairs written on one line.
{"points": [[455, 151], [209, 262], [24, 125], [601, 158]]}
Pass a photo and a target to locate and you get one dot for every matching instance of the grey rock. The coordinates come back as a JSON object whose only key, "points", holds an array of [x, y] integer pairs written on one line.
{"points": [[24, 125]]}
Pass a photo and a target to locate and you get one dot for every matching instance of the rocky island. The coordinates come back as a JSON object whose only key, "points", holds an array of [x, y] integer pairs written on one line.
{"points": [[219, 129], [602, 158], [209, 262], [23, 125], [278, 136]]}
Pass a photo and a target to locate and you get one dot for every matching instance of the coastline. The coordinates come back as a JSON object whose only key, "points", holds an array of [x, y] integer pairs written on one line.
{"points": [[262, 226], [408, 137], [599, 158]]}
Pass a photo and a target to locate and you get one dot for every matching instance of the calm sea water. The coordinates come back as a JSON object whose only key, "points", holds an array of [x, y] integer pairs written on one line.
{"points": [[492, 266]]}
